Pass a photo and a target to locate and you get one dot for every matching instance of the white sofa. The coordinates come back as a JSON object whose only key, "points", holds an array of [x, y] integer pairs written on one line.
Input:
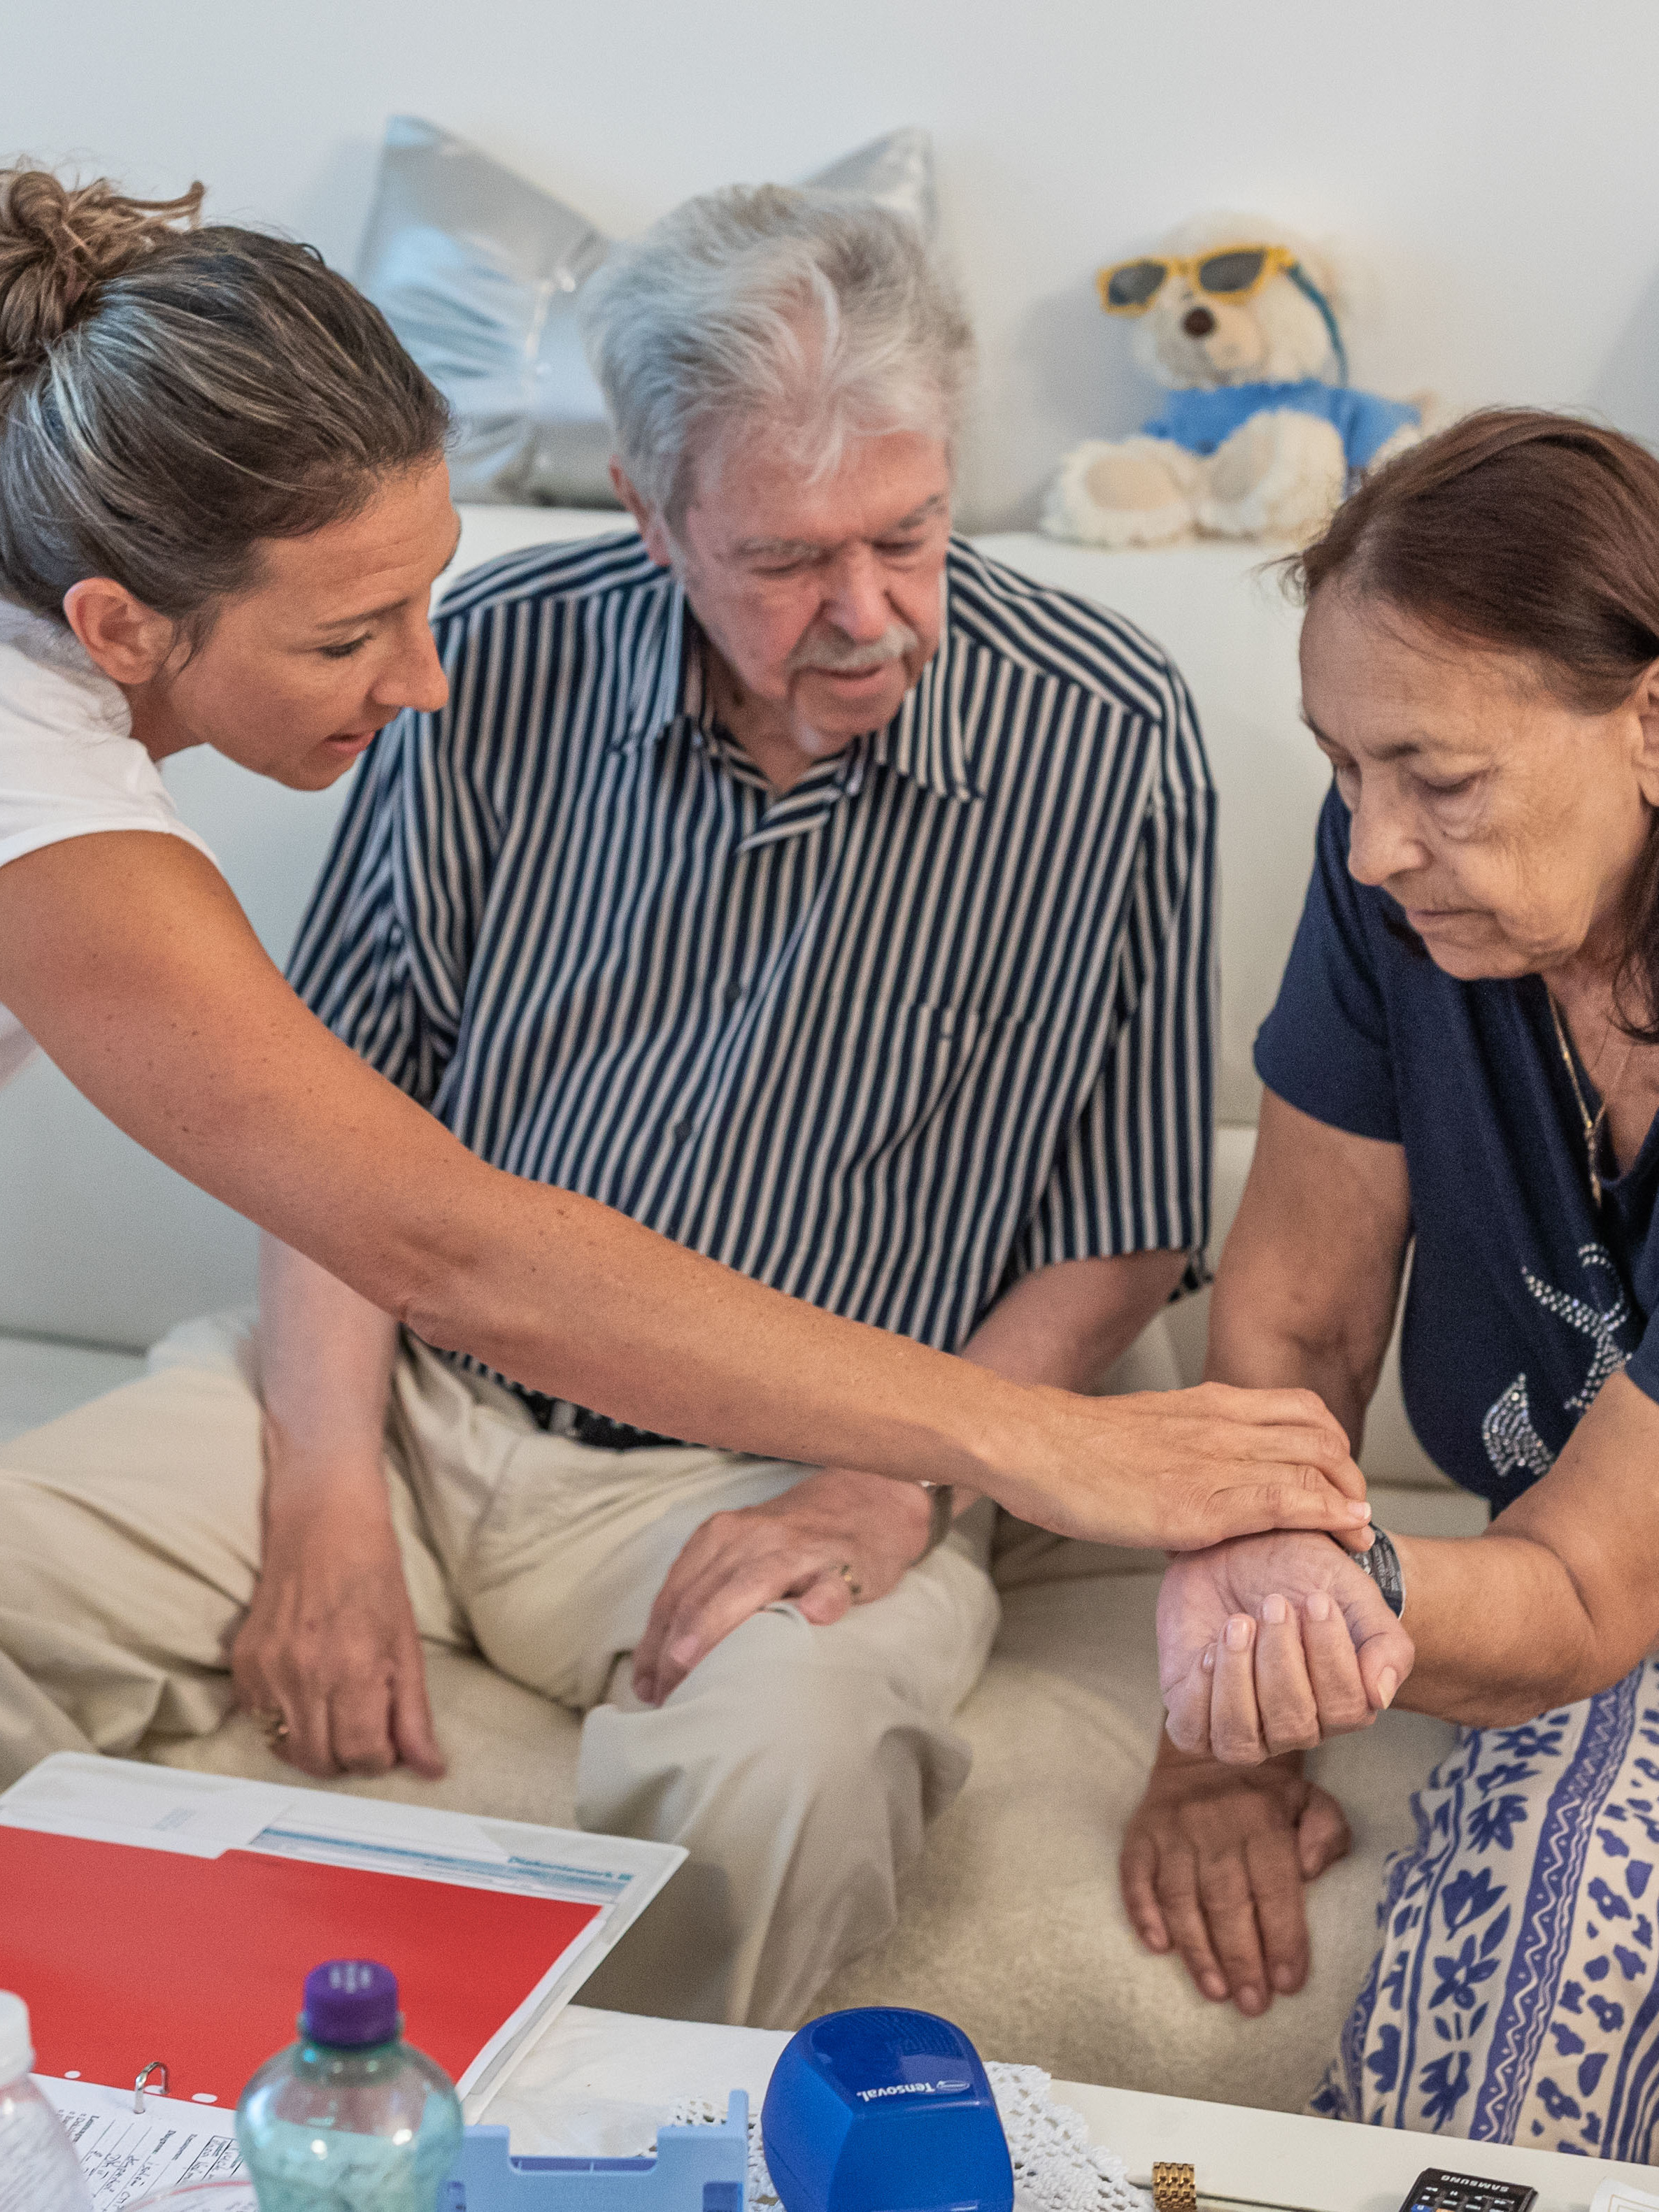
{"points": [[1012, 1923]]}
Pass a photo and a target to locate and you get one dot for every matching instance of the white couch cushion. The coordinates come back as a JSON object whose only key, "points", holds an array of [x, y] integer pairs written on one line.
{"points": [[39, 1381]]}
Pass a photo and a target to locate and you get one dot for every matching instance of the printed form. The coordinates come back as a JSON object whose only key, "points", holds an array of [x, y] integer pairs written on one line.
{"points": [[127, 2155]]}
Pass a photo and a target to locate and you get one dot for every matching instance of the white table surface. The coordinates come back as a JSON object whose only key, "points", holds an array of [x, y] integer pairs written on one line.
{"points": [[598, 2084], [1277, 2157]]}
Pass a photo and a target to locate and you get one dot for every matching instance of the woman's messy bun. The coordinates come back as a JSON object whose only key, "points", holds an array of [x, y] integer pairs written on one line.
{"points": [[172, 394], [58, 242]]}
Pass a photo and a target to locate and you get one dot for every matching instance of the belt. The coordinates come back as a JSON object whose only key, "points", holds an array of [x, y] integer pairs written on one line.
{"points": [[597, 1430]]}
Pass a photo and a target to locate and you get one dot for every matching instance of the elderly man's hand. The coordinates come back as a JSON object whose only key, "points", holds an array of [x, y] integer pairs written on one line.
{"points": [[794, 1548], [1271, 1643]]}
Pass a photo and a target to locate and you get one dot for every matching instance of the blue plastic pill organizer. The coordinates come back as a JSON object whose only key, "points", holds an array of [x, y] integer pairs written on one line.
{"points": [[698, 2169], [880, 2109]]}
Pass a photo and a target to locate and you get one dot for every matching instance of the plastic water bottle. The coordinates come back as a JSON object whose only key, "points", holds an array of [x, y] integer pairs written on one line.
{"points": [[351, 2118], [39, 2169]]}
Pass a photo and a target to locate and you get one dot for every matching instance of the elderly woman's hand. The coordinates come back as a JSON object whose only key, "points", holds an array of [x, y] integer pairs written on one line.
{"points": [[1214, 1863], [1272, 1644]]}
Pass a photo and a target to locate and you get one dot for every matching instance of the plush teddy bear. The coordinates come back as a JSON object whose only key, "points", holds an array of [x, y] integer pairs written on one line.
{"points": [[1261, 433]]}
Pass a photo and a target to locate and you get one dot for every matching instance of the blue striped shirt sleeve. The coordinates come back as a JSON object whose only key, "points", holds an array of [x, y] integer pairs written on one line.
{"points": [[1133, 1173]]}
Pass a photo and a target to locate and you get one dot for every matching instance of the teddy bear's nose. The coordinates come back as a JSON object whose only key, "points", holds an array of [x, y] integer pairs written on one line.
{"points": [[1197, 322]]}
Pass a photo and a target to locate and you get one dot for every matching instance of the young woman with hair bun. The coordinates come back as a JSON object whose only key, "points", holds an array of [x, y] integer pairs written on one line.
{"points": [[223, 506]]}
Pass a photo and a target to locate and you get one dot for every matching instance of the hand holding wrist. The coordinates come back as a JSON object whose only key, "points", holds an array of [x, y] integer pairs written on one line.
{"points": [[1177, 1470]]}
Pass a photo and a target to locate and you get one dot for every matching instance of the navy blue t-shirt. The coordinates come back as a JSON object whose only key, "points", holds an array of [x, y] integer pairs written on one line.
{"points": [[1522, 1300]]}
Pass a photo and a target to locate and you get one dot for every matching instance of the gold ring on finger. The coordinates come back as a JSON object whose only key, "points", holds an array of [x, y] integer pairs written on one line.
{"points": [[845, 1571]]}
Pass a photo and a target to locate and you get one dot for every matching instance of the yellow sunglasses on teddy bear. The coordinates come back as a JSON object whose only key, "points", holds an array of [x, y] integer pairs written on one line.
{"points": [[1230, 272]]}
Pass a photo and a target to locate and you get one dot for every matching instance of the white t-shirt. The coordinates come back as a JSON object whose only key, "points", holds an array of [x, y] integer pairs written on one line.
{"points": [[70, 764]]}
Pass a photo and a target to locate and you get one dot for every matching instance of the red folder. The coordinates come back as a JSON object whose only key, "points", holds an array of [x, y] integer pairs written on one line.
{"points": [[125, 1956]]}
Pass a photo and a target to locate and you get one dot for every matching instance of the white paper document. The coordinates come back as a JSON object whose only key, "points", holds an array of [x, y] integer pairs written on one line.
{"points": [[115, 1801], [127, 2155], [1620, 2197]]}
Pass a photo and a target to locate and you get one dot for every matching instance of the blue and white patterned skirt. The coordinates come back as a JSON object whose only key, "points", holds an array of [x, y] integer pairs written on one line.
{"points": [[1515, 1997]]}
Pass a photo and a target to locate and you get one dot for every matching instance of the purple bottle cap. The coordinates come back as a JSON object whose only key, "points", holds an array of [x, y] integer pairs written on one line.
{"points": [[350, 2003]]}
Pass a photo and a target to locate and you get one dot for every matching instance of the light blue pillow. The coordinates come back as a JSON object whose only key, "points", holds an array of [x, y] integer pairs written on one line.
{"points": [[477, 271]]}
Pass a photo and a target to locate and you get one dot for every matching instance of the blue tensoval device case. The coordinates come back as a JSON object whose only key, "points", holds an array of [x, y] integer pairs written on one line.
{"points": [[880, 2109]]}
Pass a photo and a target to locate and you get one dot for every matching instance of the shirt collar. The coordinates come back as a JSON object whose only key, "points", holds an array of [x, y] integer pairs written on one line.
{"points": [[927, 740], [658, 682]]}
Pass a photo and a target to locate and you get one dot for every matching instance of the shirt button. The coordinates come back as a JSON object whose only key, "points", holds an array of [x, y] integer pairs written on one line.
{"points": [[734, 993], [680, 1132]]}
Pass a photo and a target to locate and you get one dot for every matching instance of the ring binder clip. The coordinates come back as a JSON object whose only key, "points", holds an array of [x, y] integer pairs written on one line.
{"points": [[156, 2066]]}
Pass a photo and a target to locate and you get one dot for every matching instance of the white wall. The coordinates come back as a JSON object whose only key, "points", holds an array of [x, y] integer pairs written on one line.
{"points": [[1495, 162], [1494, 159]]}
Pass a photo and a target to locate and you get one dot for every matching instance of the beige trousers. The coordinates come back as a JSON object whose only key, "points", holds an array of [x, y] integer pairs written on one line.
{"points": [[797, 1765]]}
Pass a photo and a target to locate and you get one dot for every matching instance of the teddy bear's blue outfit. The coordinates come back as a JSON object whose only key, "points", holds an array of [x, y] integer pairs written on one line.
{"points": [[1200, 421]]}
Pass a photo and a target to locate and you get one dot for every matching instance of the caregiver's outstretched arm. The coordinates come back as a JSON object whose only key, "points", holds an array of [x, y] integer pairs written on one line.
{"points": [[129, 961]]}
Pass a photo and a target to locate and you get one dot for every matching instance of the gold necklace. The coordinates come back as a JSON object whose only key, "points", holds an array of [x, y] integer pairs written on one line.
{"points": [[1592, 1122]]}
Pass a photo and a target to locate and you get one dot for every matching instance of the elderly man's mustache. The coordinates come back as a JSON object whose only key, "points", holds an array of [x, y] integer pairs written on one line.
{"points": [[838, 654]]}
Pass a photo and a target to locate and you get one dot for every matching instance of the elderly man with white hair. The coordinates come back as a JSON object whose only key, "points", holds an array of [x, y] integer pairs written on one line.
{"points": [[838, 904]]}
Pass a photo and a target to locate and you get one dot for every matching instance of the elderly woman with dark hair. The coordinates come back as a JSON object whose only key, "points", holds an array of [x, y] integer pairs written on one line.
{"points": [[1463, 1064]]}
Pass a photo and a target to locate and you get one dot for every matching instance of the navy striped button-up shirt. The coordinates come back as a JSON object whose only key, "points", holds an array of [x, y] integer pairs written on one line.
{"points": [[935, 1017]]}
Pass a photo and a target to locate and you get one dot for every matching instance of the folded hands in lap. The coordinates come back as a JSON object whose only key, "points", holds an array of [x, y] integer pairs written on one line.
{"points": [[330, 1642], [1271, 1643], [793, 1547]]}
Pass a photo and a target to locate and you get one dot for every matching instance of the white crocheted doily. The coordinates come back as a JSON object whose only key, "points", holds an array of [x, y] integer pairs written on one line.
{"points": [[1056, 2168]]}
